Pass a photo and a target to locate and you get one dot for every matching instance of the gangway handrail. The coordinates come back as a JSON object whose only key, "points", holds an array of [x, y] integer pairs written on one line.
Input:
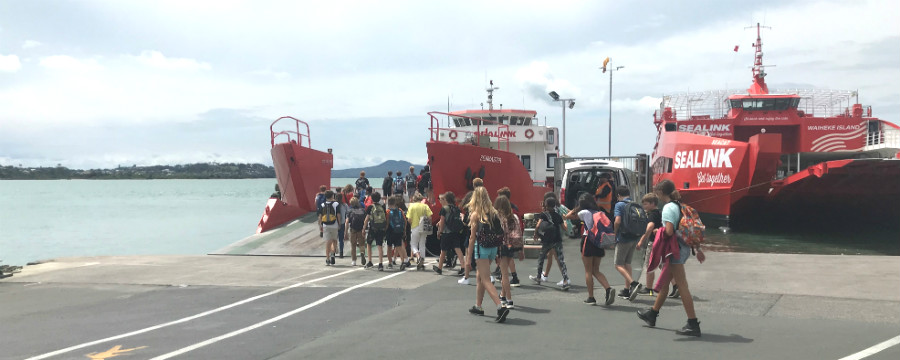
{"points": [[501, 136], [288, 133]]}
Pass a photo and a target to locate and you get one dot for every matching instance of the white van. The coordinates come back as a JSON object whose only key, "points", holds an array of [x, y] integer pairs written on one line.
{"points": [[583, 177]]}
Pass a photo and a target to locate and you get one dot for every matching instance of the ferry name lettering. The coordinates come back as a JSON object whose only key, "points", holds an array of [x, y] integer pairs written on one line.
{"points": [[493, 159], [712, 179], [498, 133], [703, 128], [833, 127], [707, 158]]}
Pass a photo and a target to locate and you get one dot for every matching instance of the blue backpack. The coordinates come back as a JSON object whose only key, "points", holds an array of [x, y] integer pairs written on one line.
{"points": [[398, 221]]}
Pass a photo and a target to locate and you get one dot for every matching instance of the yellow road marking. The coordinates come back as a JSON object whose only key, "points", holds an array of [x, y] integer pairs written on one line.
{"points": [[115, 351]]}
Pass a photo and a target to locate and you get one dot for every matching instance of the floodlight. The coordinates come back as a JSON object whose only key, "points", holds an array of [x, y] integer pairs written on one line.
{"points": [[554, 95]]}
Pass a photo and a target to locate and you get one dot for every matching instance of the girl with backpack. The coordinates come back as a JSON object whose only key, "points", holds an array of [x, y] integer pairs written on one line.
{"points": [[511, 248], [591, 254], [549, 228], [485, 239], [449, 232], [672, 268]]}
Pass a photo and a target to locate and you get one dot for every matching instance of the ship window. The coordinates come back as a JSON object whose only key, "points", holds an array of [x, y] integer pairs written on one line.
{"points": [[735, 104], [782, 104], [527, 121], [662, 165], [795, 103], [526, 160], [551, 136], [551, 161]]}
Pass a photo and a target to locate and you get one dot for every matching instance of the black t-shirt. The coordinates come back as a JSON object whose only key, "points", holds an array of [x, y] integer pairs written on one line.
{"points": [[362, 183], [386, 184], [554, 217], [445, 213], [655, 217], [425, 182]]}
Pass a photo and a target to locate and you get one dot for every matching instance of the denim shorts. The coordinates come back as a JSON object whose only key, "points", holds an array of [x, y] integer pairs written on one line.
{"points": [[684, 251], [485, 253]]}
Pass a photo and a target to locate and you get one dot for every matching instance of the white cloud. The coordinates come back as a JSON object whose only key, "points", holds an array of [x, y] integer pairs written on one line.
{"points": [[156, 59], [28, 44], [10, 63], [66, 62], [277, 75]]}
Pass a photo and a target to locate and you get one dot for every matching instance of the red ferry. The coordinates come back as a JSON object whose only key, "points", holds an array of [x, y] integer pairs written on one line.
{"points": [[504, 147], [299, 170], [796, 154]]}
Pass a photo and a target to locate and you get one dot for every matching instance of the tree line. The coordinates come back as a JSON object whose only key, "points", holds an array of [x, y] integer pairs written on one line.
{"points": [[186, 171]]}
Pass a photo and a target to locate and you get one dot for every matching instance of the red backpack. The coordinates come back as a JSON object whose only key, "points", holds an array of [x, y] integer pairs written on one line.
{"points": [[601, 226]]}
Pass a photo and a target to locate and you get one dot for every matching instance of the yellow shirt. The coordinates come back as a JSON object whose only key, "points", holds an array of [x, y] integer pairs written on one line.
{"points": [[416, 212]]}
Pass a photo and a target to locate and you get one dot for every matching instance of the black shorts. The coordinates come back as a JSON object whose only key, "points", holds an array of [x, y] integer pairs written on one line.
{"points": [[450, 241], [589, 250], [394, 239], [375, 238], [509, 253]]}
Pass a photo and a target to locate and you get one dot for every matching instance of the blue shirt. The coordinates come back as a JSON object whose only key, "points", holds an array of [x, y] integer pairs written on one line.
{"points": [[620, 211], [671, 213]]}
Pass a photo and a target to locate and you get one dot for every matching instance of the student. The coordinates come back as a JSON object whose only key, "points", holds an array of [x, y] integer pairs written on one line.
{"points": [[625, 244], [424, 183], [552, 254], [387, 185], [343, 208], [450, 229], [485, 227], [396, 231], [672, 267], [329, 223], [650, 203], [411, 182], [348, 193], [548, 228], [464, 241], [590, 254], [320, 196], [514, 279], [376, 222], [511, 248], [399, 185], [355, 223], [418, 211], [362, 186], [394, 251], [368, 200]]}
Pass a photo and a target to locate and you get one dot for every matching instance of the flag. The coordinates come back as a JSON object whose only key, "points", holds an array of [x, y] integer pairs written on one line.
{"points": [[605, 61], [736, 48]]}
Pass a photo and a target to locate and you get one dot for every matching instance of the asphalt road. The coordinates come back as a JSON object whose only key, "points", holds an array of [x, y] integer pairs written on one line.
{"points": [[296, 308]]}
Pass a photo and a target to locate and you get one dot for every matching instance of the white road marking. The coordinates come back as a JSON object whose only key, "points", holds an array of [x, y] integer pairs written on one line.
{"points": [[874, 349], [269, 321], [183, 320]]}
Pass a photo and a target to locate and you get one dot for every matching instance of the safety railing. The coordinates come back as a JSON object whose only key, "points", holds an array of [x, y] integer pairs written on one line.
{"points": [[298, 136], [887, 138], [453, 133]]}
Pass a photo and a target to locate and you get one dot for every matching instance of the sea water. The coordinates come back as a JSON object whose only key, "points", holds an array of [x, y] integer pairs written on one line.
{"points": [[45, 219]]}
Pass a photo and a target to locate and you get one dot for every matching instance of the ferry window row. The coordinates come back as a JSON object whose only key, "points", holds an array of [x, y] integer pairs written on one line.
{"points": [[662, 165], [491, 120], [551, 161], [765, 104]]}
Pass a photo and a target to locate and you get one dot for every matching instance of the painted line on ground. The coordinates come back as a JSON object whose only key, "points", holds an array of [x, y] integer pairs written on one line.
{"points": [[186, 319], [274, 319], [874, 349]]}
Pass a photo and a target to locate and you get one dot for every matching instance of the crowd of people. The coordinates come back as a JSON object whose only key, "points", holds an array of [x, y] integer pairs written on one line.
{"points": [[477, 232]]}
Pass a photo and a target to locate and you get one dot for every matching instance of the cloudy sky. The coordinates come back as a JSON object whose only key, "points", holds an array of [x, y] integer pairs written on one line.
{"points": [[96, 84]]}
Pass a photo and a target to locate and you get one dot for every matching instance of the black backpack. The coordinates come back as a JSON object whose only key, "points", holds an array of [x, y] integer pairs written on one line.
{"points": [[634, 220], [548, 231], [490, 235], [357, 217], [454, 219]]}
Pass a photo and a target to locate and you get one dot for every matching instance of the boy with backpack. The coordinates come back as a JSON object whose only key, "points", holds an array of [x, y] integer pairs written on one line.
{"points": [[650, 203], [387, 184], [329, 224], [356, 219], [362, 185], [396, 232], [450, 229], [376, 222], [411, 180], [399, 185], [630, 223], [549, 229]]}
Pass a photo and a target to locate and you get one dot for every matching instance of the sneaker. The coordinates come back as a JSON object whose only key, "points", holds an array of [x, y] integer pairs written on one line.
{"points": [[369, 265], [496, 272], [610, 296], [590, 301], [492, 279], [463, 281], [353, 263], [393, 262], [437, 270], [565, 286], [402, 266], [332, 259], [514, 282], [380, 267], [390, 266], [649, 317], [537, 280], [362, 256], [674, 293], [692, 328], [644, 291], [503, 312], [327, 262], [509, 305], [420, 267], [633, 291], [421, 261], [461, 272], [625, 293], [474, 310], [503, 302]]}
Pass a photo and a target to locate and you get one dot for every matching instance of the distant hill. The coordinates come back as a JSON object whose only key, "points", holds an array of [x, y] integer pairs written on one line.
{"points": [[377, 171]]}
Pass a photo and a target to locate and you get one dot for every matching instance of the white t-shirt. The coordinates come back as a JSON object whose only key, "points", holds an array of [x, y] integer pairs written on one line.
{"points": [[588, 218], [337, 213]]}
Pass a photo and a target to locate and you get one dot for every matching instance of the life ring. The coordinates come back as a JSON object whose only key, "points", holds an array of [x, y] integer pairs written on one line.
{"points": [[452, 135], [529, 133]]}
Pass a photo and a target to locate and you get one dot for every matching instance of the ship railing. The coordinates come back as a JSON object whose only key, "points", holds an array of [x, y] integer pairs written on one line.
{"points": [[461, 136], [297, 137], [887, 138]]}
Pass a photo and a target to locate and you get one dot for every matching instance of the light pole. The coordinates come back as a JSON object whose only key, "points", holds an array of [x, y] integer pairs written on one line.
{"points": [[611, 69], [571, 103]]}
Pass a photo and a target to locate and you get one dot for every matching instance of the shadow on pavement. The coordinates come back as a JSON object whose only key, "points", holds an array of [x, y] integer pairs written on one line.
{"points": [[707, 337], [519, 322], [530, 310]]}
